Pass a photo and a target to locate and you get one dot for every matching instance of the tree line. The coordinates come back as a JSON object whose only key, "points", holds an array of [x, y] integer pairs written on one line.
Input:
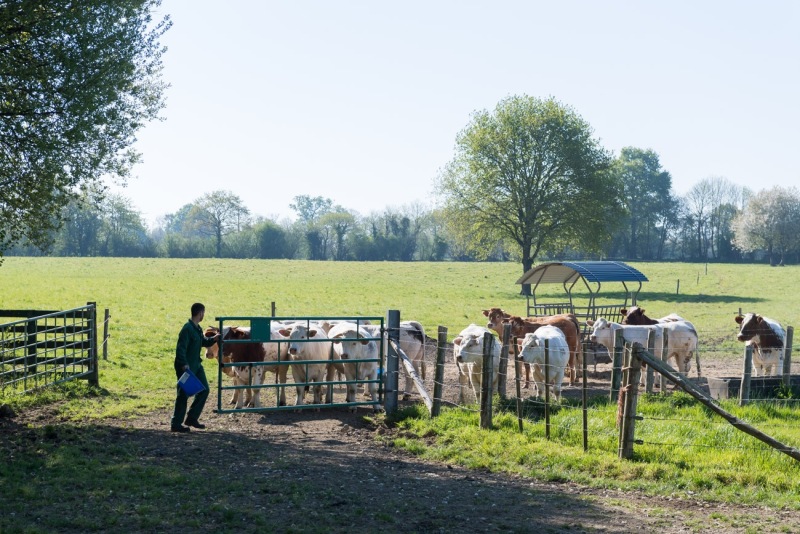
{"points": [[716, 220]]}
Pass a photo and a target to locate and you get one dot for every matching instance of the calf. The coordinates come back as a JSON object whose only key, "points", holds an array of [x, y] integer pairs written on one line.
{"points": [[767, 337], [248, 353], [533, 348], [468, 355], [565, 322], [347, 346], [604, 331], [307, 375]]}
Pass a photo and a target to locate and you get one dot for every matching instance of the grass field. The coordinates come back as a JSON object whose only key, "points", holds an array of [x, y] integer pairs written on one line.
{"points": [[149, 300]]}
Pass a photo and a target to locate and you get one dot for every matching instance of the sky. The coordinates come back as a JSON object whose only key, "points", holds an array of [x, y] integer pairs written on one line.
{"points": [[361, 101]]}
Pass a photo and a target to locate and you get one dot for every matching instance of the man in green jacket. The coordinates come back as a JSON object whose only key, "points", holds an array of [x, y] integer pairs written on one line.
{"points": [[187, 357]]}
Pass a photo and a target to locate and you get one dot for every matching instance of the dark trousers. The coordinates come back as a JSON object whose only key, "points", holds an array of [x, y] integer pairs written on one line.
{"points": [[182, 400]]}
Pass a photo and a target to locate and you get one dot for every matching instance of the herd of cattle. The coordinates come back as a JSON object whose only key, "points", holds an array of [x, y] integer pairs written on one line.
{"points": [[350, 349]]}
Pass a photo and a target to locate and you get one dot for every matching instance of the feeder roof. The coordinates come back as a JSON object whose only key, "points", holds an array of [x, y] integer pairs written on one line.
{"points": [[591, 271]]}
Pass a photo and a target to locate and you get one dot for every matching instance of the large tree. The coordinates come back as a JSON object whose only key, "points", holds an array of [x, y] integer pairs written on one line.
{"points": [[646, 194], [529, 173], [78, 79]]}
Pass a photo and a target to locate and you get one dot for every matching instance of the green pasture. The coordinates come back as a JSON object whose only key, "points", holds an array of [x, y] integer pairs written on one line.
{"points": [[149, 300]]}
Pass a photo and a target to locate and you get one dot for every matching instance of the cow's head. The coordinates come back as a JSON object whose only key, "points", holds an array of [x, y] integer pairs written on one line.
{"points": [[635, 315], [297, 333], [750, 325], [347, 346], [496, 318]]}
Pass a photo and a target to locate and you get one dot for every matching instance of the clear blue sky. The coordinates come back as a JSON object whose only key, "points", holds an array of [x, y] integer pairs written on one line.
{"points": [[361, 101]]}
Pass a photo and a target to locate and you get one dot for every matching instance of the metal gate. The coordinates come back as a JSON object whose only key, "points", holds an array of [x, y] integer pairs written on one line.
{"points": [[261, 331], [47, 348]]}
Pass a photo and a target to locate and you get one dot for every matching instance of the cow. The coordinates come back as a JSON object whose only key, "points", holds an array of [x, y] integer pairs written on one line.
{"points": [[533, 352], [347, 346], [566, 322], [673, 324], [307, 375], [681, 339], [242, 353], [468, 356], [412, 343], [767, 337]]}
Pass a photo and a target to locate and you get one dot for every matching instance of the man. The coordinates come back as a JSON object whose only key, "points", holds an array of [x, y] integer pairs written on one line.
{"points": [[187, 357]]}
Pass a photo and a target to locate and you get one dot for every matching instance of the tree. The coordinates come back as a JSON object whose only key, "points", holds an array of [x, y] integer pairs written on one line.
{"points": [[645, 193], [219, 214], [310, 209], [78, 80], [770, 221], [529, 173], [340, 222]]}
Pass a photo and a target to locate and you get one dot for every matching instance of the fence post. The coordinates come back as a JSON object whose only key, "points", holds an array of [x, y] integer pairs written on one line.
{"points": [[438, 378], [787, 357], [662, 383], [503, 370], [616, 365], [30, 342], [628, 430], [547, 388], [486, 381], [584, 399], [106, 318], [94, 377], [744, 389], [392, 361], [516, 380]]}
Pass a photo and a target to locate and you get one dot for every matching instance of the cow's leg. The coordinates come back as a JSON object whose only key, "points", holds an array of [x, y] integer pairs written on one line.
{"points": [[258, 379], [281, 375], [331, 371]]}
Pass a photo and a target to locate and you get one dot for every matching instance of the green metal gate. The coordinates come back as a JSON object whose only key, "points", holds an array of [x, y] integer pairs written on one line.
{"points": [[261, 332], [47, 348]]}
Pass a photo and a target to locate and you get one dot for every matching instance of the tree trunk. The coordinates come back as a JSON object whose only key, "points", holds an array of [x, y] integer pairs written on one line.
{"points": [[527, 263]]}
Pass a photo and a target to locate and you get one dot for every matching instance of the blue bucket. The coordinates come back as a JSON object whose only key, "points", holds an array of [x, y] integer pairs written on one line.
{"points": [[190, 384]]}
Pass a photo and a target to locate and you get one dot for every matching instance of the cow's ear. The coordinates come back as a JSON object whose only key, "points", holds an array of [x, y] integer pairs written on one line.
{"points": [[590, 322], [312, 333], [623, 312], [485, 313], [284, 332], [457, 341], [738, 319]]}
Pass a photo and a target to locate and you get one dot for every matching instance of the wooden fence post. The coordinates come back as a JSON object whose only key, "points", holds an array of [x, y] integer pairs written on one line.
{"points": [[546, 389], [438, 379], [628, 430], [584, 399], [787, 357], [662, 385], [503, 370], [616, 365], [744, 389], [106, 318], [94, 377], [486, 383], [392, 361], [516, 380]]}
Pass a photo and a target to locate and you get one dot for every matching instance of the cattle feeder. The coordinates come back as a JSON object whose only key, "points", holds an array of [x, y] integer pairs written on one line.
{"points": [[592, 274]]}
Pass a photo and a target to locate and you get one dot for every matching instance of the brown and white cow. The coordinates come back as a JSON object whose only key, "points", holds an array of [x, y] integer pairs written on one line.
{"points": [[412, 343], [767, 338], [566, 322], [247, 353]]}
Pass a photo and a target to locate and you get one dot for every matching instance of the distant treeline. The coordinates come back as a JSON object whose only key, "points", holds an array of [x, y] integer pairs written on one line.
{"points": [[715, 221]]}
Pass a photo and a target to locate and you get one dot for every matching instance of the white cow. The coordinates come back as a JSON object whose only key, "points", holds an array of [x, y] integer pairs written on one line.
{"points": [[681, 339], [301, 351], [767, 337], [468, 355], [412, 343], [533, 347], [347, 346]]}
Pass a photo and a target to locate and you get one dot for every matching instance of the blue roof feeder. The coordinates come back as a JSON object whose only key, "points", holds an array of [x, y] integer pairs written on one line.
{"points": [[593, 274]]}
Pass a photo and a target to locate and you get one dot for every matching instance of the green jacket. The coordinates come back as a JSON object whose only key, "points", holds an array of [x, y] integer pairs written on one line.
{"points": [[190, 341]]}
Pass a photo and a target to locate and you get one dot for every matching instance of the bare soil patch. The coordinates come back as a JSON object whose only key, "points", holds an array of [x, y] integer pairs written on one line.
{"points": [[348, 476]]}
